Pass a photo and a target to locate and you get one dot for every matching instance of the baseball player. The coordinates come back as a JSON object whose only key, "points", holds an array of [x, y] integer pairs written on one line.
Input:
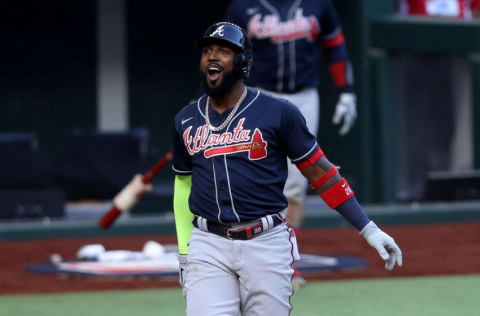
{"points": [[230, 147], [289, 37]]}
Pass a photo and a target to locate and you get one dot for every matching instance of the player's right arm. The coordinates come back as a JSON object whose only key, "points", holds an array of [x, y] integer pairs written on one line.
{"points": [[183, 224], [182, 166], [183, 216]]}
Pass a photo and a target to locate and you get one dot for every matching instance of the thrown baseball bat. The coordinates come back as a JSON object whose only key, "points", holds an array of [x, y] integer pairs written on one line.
{"points": [[129, 195]]}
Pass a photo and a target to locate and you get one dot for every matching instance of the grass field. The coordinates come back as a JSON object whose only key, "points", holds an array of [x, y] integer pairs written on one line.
{"points": [[438, 296]]}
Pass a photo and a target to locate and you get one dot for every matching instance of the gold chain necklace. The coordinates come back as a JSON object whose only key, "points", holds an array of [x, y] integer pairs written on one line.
{"points": [[229, 117]]}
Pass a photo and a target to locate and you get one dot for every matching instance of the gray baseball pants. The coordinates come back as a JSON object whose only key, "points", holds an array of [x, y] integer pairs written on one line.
{"points": [[253, 276]]}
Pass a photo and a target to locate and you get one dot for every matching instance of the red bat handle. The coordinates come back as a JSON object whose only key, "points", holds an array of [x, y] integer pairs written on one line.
{"points": [[109, 217], [147, 177]]}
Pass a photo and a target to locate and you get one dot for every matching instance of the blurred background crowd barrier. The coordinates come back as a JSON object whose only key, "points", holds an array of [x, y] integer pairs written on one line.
{"points": [[89, 89]]}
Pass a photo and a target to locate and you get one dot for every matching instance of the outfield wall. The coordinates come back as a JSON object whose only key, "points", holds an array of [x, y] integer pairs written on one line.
{"points": [[317, 215]]}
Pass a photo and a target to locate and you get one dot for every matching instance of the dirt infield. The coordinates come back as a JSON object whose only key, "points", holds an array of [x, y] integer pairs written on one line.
{"points": [[428, 250]]}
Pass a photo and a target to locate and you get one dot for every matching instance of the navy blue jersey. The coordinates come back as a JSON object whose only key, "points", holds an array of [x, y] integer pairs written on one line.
{"points": [[238, 173], [288, 37]]}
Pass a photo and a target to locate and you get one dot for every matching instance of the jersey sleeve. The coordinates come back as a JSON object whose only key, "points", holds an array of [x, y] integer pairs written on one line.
{"points": [[299, 143], [181, 161]]}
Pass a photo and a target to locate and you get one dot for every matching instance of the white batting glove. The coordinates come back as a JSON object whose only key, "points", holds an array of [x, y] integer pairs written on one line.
{"points": [[182, 273], [384, 244], [346, 109]]}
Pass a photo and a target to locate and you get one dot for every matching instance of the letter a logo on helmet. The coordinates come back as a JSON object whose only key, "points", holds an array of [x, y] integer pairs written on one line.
{"points": [[218, 31], [236, 38]]}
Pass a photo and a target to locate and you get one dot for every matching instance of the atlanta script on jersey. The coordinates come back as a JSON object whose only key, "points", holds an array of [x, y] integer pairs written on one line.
{"points": [[248, 156]]}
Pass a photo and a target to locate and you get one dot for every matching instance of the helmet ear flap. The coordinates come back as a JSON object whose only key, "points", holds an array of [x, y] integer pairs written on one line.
{"points": [[242, 64]]}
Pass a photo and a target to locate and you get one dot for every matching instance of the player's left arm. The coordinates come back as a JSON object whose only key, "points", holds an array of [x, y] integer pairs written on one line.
{"points": [[337, 193], [303, 150], [335, 50]]}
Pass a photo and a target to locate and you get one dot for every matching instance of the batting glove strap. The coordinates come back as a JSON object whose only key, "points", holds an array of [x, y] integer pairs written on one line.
{"points": [[182, 272], [182, 259], [384, 244], [369, 229]]}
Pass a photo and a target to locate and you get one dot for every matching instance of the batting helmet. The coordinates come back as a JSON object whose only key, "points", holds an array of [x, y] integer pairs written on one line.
{"points": [[233, 36]]}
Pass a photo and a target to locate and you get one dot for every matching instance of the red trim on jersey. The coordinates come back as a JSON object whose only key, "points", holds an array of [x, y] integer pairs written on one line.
{"points": [[339, 73], [335, 41], [311, 160], [337, 194], [330, 173]]}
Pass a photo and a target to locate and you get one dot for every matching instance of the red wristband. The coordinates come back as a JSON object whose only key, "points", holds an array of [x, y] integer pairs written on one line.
{"points": [[337, 194]]}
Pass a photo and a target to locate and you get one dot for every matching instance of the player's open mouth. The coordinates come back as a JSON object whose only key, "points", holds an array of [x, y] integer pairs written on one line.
{"points": [[214, 72]]}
